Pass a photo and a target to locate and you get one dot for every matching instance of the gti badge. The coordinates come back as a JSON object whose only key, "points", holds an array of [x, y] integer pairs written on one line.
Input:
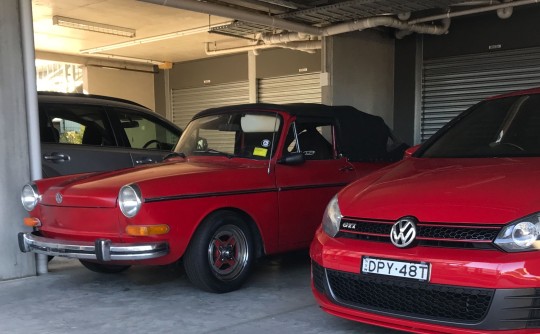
{"points": [[350, 226], [58, 198], [403, 232]]}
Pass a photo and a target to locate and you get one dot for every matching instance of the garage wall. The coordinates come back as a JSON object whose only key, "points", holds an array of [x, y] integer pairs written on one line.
{"points": [[15, 168], [217, 70], [484, 33], [361, 67], [281, 62], [136, 86]]}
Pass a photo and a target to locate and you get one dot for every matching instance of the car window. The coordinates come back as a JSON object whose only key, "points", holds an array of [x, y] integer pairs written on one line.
{"points": [[146, 132], [247, 135], [75, 125], [495, 128], [314, 138]]}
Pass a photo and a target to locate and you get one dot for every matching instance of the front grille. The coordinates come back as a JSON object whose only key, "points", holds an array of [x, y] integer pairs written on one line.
{"points": [[317, 272], [428, 234], [429, 301]]}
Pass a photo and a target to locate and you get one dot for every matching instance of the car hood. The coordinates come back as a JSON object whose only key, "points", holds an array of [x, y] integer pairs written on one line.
{"points": [[159, 180], [483, 191]]}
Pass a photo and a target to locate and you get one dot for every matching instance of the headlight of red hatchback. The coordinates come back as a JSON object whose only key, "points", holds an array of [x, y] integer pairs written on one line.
{"points": [[521, 235], [332, 218]]}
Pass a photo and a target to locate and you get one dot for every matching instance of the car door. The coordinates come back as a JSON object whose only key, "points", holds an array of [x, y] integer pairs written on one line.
{"points": [[147, 138], [304, 189], [77, 138]]}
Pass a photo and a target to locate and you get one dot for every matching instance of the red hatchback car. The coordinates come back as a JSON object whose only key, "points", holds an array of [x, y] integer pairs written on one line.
{"points": [[447, 240], [243, 181]]}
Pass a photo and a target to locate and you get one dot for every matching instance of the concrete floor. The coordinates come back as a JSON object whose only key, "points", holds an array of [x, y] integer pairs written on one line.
{"points": [[71, 299]]}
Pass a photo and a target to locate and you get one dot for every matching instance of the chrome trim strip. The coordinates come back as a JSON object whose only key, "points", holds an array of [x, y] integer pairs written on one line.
{"points": [[101, 250]]}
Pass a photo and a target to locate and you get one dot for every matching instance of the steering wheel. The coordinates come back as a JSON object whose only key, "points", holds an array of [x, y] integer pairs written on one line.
{"points": [[150, 142]]}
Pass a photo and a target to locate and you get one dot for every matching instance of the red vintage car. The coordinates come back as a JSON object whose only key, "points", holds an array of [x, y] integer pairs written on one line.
{"points": [[447, 240], [244, 181]]}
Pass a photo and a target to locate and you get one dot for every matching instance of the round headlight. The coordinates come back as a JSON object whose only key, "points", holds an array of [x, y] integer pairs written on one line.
{"points": [[29, 196], [129, 200], [524, 234], [332, 218]]}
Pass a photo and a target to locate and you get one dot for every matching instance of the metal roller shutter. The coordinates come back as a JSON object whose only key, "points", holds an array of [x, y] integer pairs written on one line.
{"points": [[290, 89], [187, 102], [451, 85]]}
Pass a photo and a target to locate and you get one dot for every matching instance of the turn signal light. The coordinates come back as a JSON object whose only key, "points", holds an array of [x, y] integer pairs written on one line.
{"points": [[145, 230], [32, 222]]}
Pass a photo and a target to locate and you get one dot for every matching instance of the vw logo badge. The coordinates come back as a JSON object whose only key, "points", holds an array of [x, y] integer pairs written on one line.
{"points": [[403, 232], [58, 198]]}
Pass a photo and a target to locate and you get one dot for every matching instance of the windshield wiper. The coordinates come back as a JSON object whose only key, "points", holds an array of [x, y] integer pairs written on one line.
{"points": [[212, 151], [174, 154]]}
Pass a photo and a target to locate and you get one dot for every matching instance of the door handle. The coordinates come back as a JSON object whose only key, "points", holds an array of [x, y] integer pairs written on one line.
{"points": [[346, 169], [144, 160], [56, 157]]}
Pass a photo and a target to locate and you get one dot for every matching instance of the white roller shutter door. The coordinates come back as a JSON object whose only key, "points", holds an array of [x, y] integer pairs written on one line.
{"points": [[300, 88], [451, 85], [189, 101]]}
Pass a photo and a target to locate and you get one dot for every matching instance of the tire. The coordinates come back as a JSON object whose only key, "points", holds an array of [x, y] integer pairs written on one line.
{"points": [[220, 255], [104, 268]]}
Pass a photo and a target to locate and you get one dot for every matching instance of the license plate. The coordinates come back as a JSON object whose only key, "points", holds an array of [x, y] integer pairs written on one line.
{"points": [[412, 270]]}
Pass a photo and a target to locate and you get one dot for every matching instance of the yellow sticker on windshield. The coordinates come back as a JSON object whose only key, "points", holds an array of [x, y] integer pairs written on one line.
{"points": [[260, 152]]}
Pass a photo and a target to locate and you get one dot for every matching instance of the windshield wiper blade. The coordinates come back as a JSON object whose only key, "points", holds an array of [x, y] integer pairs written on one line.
{"points": [[212, 151], [174, 154]]}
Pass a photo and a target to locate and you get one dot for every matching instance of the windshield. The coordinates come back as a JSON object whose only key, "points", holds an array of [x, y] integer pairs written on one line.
{"points": [[506, 127], [247, 135]]}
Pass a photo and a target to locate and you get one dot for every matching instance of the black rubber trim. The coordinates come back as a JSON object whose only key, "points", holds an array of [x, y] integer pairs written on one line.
{"points": [[240, 192]]}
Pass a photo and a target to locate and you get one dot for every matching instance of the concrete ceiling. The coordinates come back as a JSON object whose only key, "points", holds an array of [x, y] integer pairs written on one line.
{"points": [[149, 20]]}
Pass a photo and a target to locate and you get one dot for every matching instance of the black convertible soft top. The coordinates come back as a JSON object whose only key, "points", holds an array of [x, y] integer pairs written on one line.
{"points": [[361, 136]]}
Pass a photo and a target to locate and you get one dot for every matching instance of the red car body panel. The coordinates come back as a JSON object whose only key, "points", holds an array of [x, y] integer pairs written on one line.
{"points": [[434, 190]]}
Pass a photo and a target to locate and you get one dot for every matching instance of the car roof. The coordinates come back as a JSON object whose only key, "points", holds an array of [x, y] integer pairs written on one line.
{"points": [[92, 99], [363, 136], [88, 98], [295, 109]]}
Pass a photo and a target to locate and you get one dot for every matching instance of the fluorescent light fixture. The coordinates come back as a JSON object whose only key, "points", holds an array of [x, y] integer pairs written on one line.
{"points": [[151, 39], [93, 26], [137, 60]]}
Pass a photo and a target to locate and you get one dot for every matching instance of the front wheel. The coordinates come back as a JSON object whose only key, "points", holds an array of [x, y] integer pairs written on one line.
{"points": [[103, 268], [220, 255]]}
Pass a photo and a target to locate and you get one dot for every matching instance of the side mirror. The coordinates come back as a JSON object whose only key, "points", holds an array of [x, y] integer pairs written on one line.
{"points": [[410, 151], [292, 159], [202, 144]]}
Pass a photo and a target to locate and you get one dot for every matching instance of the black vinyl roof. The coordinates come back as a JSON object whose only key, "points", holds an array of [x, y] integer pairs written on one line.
{"points": [[361, 136]]}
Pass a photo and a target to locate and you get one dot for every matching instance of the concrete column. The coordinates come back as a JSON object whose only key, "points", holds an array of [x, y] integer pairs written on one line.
{"points": [[15, 165], [361, 72]]}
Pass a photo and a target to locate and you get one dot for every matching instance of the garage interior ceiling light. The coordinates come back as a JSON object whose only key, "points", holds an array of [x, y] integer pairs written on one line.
{"points": [[151, 39], [93, 26]]}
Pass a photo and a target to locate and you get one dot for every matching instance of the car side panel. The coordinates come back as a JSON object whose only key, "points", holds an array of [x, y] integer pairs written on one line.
{"points": [[62, 159], [304, 192]]}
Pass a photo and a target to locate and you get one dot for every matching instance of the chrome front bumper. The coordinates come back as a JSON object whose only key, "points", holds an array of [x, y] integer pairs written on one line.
{"points": [[100, 250]]}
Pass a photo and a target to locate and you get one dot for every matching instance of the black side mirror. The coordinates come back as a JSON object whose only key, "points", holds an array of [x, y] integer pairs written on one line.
{"points": [[292, 159]]}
